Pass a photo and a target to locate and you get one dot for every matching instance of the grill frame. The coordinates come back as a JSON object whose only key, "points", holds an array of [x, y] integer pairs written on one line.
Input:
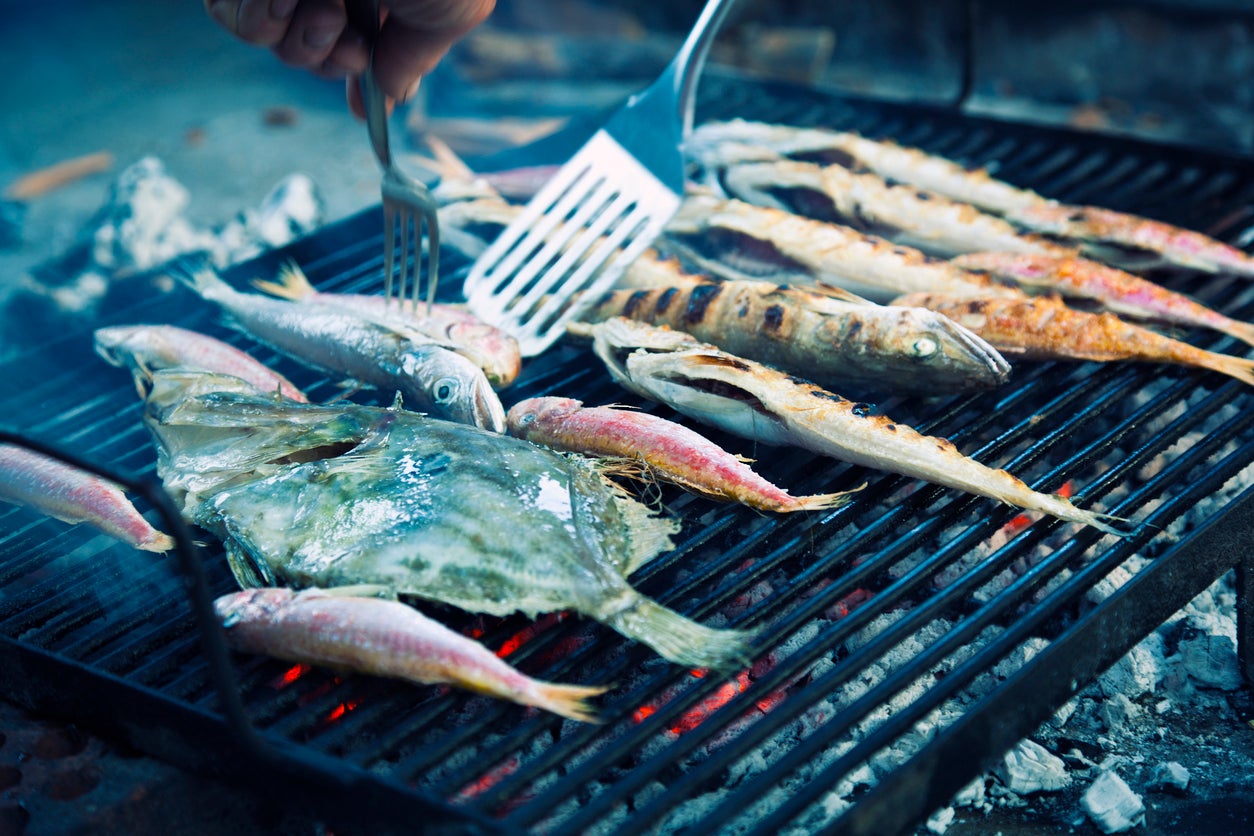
{"points": [[1118, 170]]}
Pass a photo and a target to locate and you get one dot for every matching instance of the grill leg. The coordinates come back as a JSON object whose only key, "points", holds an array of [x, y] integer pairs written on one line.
{"points": [[1244, 583]]}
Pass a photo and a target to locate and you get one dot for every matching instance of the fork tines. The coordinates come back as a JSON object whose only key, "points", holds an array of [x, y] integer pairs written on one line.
{"points": [[401, 225], [578, 235]]}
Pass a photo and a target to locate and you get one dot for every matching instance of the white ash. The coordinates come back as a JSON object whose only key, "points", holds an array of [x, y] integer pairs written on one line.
{"points": [[1029, 768], [1169, 777], [1112, 805], [143, 225]]}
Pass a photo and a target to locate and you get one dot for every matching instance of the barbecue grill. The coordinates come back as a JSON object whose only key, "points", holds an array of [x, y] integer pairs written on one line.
{"points": [[905, 641]]}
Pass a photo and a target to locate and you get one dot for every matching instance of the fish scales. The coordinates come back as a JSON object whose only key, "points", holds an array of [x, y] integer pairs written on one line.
{"points": [[349, 495], [830, 337]]}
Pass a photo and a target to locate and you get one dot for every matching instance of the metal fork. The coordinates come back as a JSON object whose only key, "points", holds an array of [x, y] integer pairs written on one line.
{"points": [[599, 212], [407, 203]]}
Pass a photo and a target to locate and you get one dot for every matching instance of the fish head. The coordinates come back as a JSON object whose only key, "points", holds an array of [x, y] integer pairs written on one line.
{"points": [[525, 415], [451, 387], [251, 605], [935, 346]]}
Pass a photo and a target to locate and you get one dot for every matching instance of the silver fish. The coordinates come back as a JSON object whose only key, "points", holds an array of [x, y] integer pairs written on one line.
{"points": [[759, 403], [347, 344], [306, 495]]}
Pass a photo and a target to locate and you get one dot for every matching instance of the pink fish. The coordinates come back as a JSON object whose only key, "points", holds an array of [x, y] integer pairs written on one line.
{"points": [[670, 451], [383, 638], [72, 495], [147, 348]]}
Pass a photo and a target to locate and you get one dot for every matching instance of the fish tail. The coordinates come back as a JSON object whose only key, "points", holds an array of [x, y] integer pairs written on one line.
{"points": [[1059, 506], [204, 281], [815, 502], [1238, 367], [567, 700], [292, 283], [157, 541], [679, 639], [1243, 331]]}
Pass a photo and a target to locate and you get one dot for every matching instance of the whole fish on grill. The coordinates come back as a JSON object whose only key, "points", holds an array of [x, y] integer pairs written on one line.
{"points": [[348, 495], [866, 201], [73, 495], [1109, 235], [826, 335], [742, 140], [733, 239], [1044, 328], [1116, 291], [663, 448], [146, 348], [754, 401], [352, 346], [485, 345], [383, 638]]}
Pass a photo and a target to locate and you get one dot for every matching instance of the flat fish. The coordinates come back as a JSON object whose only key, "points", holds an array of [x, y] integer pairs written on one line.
{"points": [[329, 496]]}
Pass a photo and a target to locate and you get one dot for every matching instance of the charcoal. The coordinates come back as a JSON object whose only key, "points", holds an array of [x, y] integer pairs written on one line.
{"points": [[1029, 767], [1169, 777]]}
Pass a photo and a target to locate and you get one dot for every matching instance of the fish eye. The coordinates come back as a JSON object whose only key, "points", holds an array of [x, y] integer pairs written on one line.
{"points": [[445, 390], [924, 347]]}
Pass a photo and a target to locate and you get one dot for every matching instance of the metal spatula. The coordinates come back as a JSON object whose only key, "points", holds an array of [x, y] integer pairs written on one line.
{"points": [[599, 212]]}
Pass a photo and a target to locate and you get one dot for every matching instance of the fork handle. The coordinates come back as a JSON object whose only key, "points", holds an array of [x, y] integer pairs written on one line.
{"points": [[364, 16]]}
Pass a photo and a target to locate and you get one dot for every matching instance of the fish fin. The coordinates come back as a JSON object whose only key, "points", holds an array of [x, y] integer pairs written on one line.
{"points": [[292, 283], [248, 571], [680, 639], [566, 700], [1243, 331], [839, 293], [823, 501], [1237, 367], [360, 590]]}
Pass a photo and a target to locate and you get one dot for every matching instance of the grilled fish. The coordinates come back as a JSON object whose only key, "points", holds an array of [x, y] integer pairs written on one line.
{"points": [[770, 407], [383, 638], [1117, 237], [717, 144], [145, 348], [826, 335], [733, 239], [308, 495], [71, 495], [485, 345], [670, 451], [905, 214], [1044, 328], [349, 345], [1134, 241], [1117, 291]]}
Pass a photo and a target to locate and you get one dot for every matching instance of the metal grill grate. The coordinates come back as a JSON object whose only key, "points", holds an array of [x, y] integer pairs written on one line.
{"points": [[893, 635]]}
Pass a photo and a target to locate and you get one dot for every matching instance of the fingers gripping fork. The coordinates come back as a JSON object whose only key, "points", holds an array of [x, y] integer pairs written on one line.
{"points": [[407, 203]]}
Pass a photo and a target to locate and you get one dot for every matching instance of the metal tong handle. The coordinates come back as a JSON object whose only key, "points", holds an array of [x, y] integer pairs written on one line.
{"points": [[685, 67], [364, 16]]}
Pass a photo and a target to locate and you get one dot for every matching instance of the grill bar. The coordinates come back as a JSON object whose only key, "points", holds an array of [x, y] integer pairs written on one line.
{"points": [[833, 593]]}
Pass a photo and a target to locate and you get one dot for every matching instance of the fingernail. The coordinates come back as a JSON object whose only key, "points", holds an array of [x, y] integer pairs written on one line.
{"points": [[282, 9], [411, 92], [223, 11], [321, 37]]}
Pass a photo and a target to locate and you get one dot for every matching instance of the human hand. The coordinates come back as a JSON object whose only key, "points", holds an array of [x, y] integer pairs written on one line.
{"points": [[316, 35]]}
